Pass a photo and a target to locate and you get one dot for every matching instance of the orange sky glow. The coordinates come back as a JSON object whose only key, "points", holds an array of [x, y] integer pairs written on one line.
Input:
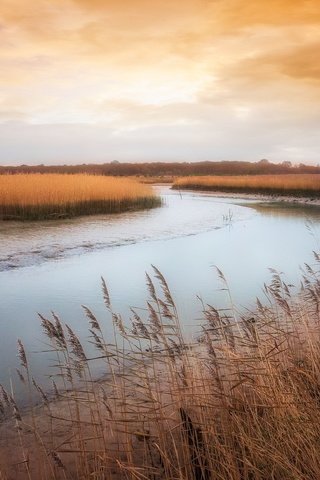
{"points": [[170, 80]]}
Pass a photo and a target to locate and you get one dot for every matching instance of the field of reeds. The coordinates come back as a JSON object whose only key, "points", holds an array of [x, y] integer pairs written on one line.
{"points": [[51, 196], [240, 403], [296, 185], [156, 179]]}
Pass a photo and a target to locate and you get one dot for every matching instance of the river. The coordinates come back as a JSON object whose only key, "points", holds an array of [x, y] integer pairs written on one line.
{"points": [[57, 265]]}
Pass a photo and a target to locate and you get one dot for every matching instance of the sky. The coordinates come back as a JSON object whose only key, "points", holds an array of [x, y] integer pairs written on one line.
{"points": [[159, 80]]}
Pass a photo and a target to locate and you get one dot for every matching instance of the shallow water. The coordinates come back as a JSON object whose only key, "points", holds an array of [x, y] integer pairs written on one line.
{"points": [[57, 265]]}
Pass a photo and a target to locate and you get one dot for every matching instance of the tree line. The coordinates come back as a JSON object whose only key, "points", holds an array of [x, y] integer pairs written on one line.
{"points": [[162, 169]]}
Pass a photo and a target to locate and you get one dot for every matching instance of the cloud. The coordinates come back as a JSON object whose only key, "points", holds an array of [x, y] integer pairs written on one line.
{"points": [[295, 63], [152, 72], [240, 14]]}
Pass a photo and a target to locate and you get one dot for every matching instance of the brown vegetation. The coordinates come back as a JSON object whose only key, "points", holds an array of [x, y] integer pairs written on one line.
{"points": [[170, 169], [49, 196], [242, 403], [299, 185]]}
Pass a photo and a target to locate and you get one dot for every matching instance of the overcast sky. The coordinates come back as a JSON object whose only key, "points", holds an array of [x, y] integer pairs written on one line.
{"points": [[136, 80]]}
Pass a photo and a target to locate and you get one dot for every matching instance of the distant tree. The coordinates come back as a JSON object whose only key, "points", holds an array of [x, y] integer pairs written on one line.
{"points": [[286, 164]]}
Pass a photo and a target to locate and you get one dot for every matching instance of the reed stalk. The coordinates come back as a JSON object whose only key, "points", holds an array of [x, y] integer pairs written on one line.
{"points": [[240, 402]]}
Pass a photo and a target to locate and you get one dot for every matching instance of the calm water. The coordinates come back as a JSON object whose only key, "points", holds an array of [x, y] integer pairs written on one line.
{"points": [[57, 265]]}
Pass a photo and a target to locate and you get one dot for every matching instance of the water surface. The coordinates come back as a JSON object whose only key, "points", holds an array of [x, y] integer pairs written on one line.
{"points": [[57, 265]]}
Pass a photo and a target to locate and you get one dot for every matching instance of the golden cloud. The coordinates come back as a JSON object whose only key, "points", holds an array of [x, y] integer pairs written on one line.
{"points": [[162, 62]]}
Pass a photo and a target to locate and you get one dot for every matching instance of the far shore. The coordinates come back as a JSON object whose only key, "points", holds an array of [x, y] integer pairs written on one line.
{"points": [[271, 198]]}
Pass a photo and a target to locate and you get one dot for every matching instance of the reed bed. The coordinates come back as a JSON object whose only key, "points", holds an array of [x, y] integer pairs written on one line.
{"points": [[240, 403], [297, 185], [50, 196]]}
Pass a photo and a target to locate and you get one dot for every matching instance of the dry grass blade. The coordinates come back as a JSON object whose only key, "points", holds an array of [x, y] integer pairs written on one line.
{"points": [[92, 318], [164, 286], [106, 296], [22, 355], [75, 345]]}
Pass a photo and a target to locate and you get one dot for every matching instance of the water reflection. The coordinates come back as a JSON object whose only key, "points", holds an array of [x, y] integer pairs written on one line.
{"points": [[288, 210]]}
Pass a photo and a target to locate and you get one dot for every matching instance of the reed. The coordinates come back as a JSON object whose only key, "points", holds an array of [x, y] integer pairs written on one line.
{"points": [[240, 403], [51, 196], [297, 185]]}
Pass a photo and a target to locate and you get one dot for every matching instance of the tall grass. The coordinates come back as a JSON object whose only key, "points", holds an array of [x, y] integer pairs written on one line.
{"points": [[49, 196], [298, 185], [241, 403]]}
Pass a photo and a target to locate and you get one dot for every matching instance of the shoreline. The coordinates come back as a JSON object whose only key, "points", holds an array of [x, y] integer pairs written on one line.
{"points": [[269, 198], [77, 210]]}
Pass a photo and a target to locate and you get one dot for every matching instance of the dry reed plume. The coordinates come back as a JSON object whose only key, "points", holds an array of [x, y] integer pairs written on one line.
{"points": [[241, 403], [299, 185], [37, 196]]}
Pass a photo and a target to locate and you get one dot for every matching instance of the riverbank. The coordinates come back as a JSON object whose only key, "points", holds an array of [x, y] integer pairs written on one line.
{"points": [[52, 196], [258, 197], [240, 403], [304, 188]]}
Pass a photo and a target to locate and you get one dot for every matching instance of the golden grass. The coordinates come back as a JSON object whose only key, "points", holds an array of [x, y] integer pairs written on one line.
{"points": [[156, 179], [37, 196], [241, 403], [267, 184]]}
